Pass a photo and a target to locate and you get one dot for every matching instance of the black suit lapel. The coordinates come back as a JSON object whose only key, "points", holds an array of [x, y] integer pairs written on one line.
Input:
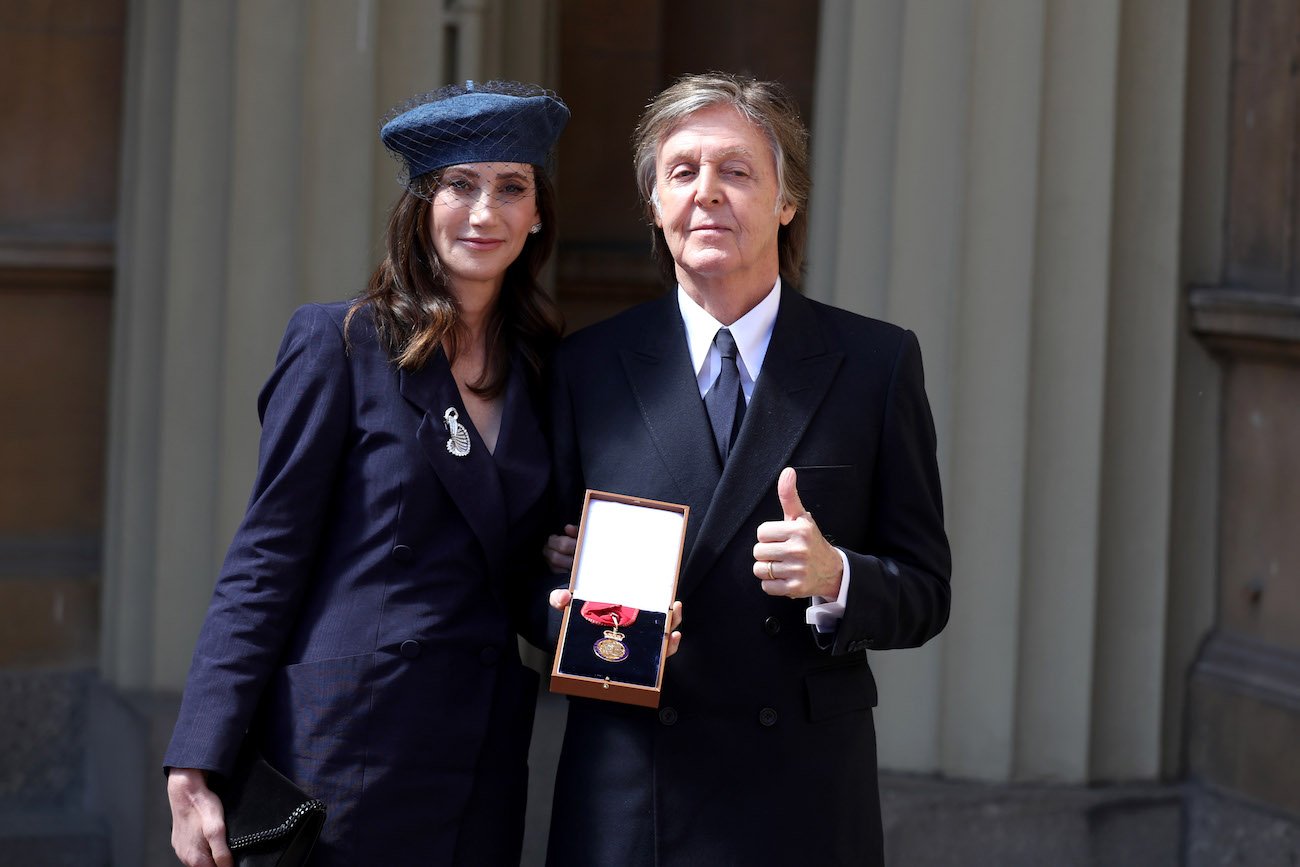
{"points": [[668, 396], [797, 372], [472, 481]]}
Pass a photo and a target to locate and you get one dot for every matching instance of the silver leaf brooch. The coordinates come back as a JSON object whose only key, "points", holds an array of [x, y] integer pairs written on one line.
{"points": [[458, 441]]}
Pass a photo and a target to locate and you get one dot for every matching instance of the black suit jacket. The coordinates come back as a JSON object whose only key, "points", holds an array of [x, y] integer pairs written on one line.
{"points": [[763, 748]]}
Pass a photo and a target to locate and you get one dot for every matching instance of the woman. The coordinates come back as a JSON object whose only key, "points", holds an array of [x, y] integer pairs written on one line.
{"points": [[362, 631]]}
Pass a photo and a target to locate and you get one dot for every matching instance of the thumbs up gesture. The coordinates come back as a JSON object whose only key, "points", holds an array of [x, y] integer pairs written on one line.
{"points": [[792, 557]]}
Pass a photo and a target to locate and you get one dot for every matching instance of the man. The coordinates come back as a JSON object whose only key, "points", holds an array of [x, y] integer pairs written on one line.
{"points": [[801, 438]]}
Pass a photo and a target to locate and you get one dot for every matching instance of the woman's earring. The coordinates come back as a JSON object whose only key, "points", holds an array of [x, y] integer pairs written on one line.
{"points": [[537, 227]]}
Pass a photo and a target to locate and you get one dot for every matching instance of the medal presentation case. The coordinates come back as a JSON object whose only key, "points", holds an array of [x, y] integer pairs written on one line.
{"points": [[624, 579]]}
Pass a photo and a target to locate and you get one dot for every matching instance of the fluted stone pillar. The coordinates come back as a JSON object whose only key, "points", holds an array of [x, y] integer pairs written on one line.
{"points": [[1005, 178], [991, 386], [1135, 603], [1066, 393], [1193, 551]]}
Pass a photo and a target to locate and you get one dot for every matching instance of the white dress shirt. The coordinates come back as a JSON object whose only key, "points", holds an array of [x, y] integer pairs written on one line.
{"points": [[753, 334]]}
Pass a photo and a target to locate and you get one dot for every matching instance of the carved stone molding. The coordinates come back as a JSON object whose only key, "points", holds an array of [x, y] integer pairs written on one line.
{"points": [[1244, 719], [1241, 322]]}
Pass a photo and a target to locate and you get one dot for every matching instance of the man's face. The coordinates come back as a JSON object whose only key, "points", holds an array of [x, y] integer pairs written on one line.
{"points": [[715, 181]]}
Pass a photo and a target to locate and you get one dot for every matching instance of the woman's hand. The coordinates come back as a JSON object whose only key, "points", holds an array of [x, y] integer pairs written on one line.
{"points": [[560, 599], [198, 820], [559, 550]]}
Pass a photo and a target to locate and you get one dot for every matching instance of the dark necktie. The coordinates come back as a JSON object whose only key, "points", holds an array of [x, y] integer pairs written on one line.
{"points": [[724, 400]]}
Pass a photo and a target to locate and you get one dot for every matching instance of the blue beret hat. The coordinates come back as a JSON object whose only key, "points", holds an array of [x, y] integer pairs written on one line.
{"points": [[495, 121]]}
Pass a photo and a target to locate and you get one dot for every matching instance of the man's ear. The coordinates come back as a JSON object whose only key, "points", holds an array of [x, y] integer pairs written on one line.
{"points": [[655, 212]]}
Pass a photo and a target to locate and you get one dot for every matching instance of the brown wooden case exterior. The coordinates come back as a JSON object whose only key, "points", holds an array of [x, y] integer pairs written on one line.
{"points": [[607, 689]]}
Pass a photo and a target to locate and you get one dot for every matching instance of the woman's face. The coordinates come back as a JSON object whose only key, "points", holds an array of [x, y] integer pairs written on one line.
{"points": [[481, 216]]}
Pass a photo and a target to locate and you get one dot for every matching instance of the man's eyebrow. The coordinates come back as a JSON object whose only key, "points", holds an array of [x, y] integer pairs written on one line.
{"points": [[733, 152], [691, 155], [685, 155]]}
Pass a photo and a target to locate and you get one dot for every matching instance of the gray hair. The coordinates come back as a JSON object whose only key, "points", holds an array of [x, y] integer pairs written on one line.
{"points": [[768, 107]]}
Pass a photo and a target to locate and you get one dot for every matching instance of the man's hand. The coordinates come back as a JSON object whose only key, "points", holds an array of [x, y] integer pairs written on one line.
{"points": [[559, 550], [792, 557], [198, 821], [560, 599]]}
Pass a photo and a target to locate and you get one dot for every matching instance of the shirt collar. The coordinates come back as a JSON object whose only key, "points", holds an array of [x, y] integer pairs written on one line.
{"points": [[752, 332]]}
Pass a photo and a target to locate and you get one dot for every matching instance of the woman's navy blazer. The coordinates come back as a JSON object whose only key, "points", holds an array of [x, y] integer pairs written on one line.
{"points": [[363, 626]]}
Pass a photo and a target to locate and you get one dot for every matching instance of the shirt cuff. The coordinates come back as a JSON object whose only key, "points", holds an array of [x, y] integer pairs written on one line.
{"points": [[824, 614]]}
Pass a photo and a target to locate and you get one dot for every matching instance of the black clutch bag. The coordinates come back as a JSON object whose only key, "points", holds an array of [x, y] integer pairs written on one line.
{"points": [[270, 822]]}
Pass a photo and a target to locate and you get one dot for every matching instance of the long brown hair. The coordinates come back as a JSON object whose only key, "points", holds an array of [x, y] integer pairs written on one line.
{"points": [[414, 311]]}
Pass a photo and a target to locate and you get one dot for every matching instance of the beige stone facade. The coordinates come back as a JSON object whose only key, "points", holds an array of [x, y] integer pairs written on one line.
{"points": [[1068, 201]]}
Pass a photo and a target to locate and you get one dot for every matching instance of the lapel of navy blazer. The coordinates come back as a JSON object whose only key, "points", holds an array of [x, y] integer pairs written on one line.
{"points": [[484, 486]]}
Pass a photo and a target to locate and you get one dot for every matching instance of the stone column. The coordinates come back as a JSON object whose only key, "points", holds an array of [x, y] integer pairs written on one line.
{"points": [[991, 387], [1067, 370], [1005, 179], [260, 287], [170, 300], [164, 401], [1194, 520], [1134, 598]]}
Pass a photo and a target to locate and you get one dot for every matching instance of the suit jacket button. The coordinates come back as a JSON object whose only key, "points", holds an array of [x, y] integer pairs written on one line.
{"points": [[767, 717], [410, 648], [772, 625], [489, 655], [668, 716], [402, 553]]}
